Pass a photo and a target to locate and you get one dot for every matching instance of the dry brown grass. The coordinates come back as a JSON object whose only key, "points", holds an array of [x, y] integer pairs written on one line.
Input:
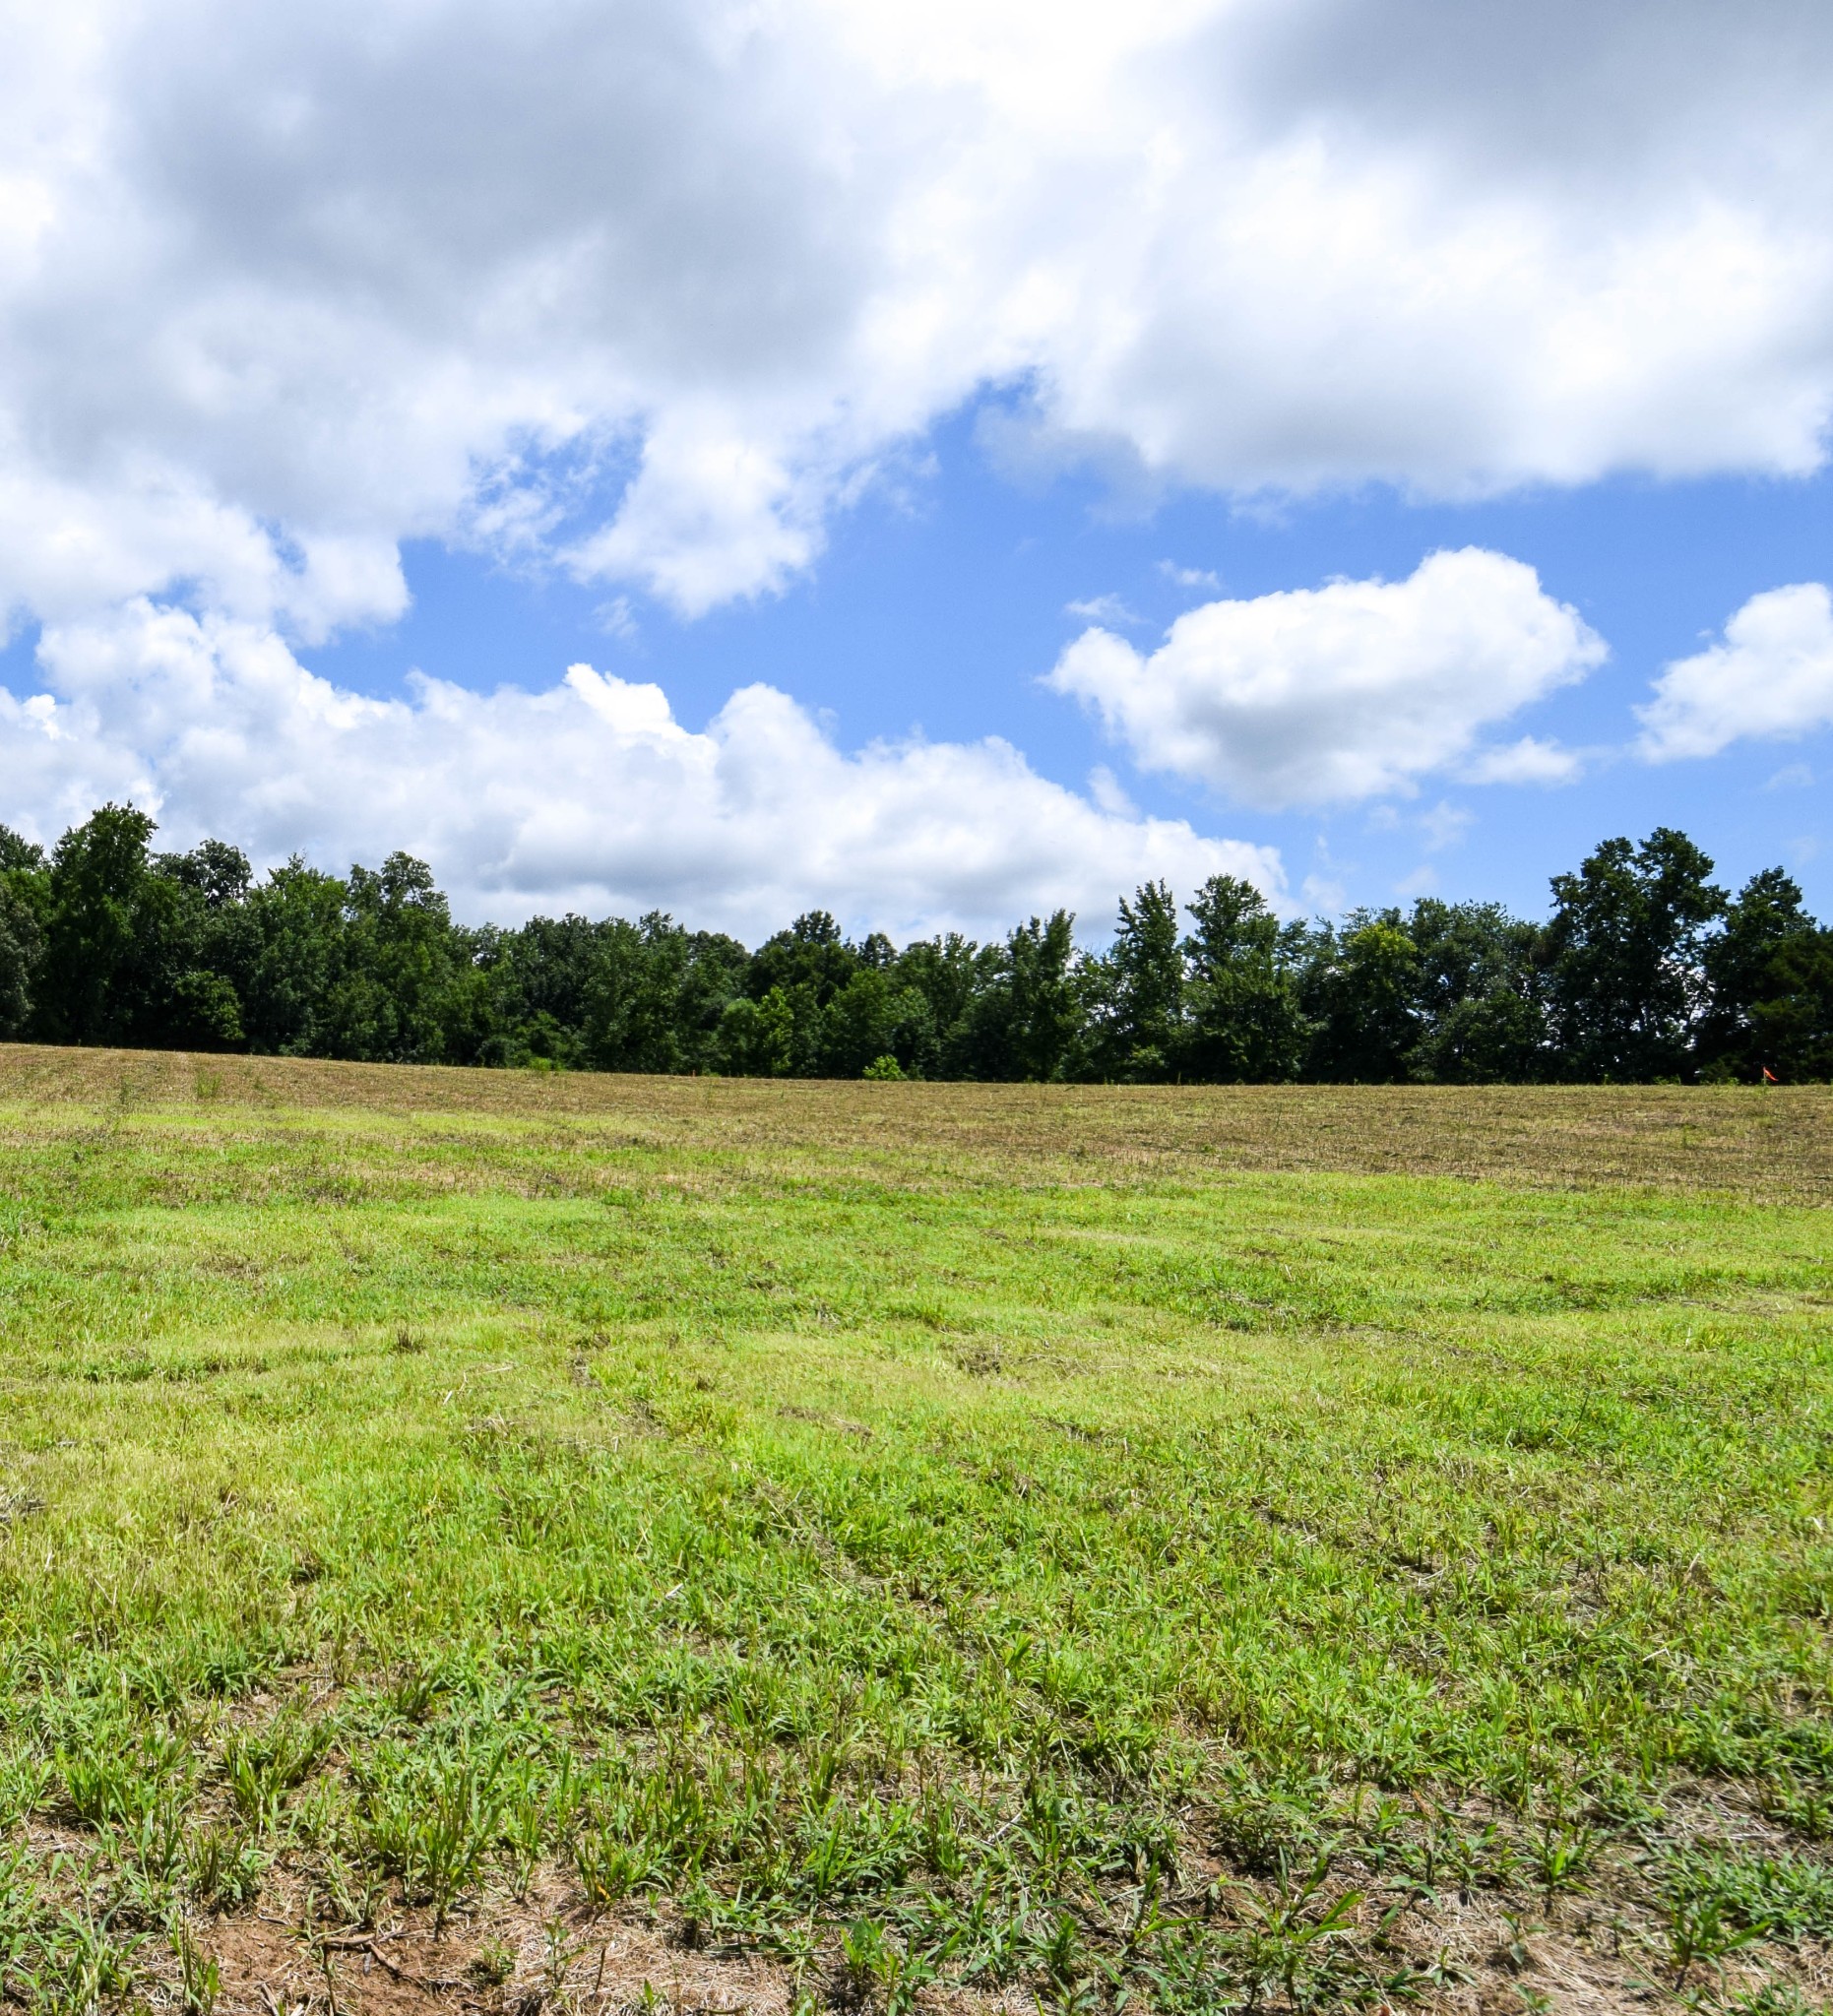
{"points": [[1776, 1143]]}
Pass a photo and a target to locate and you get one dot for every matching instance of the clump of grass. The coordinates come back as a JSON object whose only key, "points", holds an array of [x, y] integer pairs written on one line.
{"points": [[492, 1964], [430, 1823], [223, 1868], [1714, 1893], [200, 1976], [262, 1764]]}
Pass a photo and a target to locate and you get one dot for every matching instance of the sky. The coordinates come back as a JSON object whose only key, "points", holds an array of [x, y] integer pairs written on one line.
{"points": [[930, 462]]}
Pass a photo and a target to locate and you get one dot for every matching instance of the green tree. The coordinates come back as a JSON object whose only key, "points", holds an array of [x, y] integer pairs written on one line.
{"points": [[949, 973], [1625, 958], [633, 996], [541, 985], [1791, 1024], [1246, 1022], [409, 987], [1142, 990], [136, 948], [24, 901], [871, 1017], [1741, 974], [1048, 1026], [95, 928], [1361, 993], [199, 949], [657, 994], [811, 954], [1480, 994], [1027, 1017], [296, 929], [714, 974], [758, 1039]]}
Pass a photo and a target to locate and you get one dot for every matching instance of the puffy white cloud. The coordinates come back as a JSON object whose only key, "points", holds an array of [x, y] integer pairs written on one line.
{"points": [[589, 796], [648, 287], [1771, 680], [1342, 692]]}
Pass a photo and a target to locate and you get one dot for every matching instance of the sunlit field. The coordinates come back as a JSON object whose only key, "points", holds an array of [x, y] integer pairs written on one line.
{"points": [[505, 1540]]}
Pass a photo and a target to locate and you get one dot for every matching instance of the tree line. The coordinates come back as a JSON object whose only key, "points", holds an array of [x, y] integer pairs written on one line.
{"points": [[1645, 970]]}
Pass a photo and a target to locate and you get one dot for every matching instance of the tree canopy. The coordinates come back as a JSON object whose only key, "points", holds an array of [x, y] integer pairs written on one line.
{"points": [[1644, 968]]}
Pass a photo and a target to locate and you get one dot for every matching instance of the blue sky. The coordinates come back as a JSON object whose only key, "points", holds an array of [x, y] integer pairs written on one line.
{"points": [[935, 461], [941, 601]]}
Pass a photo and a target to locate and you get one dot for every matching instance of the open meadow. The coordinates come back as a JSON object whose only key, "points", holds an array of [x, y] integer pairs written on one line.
{"points": [[505, 1540]]}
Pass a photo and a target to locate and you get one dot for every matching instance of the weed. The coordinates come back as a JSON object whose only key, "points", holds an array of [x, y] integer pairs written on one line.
{"points": [[1699, 1928], [263, 1765], [1771, 1998], [81, 1962], [149, 1855], [349, 1894], [1778, 1897], [412, 1693], [1560, 1856], [121, 1787], [609, 1868], [24, 1780], [432, 1827], [199, 1976], [1296, 1939], [492, 1964], [1804, 1805], [558, 1954], [224, 1868]]}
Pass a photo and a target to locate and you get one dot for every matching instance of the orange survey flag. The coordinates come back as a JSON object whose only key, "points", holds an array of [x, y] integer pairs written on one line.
{"points": [[1769, 1077]]}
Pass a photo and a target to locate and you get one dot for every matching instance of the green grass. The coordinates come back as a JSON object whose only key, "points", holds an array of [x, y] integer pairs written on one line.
{"points": [[1035, 1564]]}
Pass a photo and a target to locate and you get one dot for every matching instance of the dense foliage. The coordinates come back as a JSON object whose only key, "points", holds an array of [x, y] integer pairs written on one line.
{"points": [[1646, 970]]}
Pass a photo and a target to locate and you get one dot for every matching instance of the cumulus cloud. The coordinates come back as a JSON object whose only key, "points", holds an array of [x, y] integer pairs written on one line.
{"points": [[1770, 679], [646, 289], [589, 794], [1348, 691]]}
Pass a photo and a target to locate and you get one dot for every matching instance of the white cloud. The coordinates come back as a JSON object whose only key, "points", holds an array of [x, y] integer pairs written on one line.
{"points": [[1445, 825], [1189, 577], [1325, 895], [1771, 680], [1533, 759], [1109, 794], [616, 619], [1101, 608], [589, 794], [1348, 691], [650, 289], [647, 291]]}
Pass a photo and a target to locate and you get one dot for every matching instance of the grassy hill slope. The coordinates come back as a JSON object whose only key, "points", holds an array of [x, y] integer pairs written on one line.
{"points": [[473, 1538]]}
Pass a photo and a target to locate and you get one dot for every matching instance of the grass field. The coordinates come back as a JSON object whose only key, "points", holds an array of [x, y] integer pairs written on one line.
{"points": [[487, 1541]]}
